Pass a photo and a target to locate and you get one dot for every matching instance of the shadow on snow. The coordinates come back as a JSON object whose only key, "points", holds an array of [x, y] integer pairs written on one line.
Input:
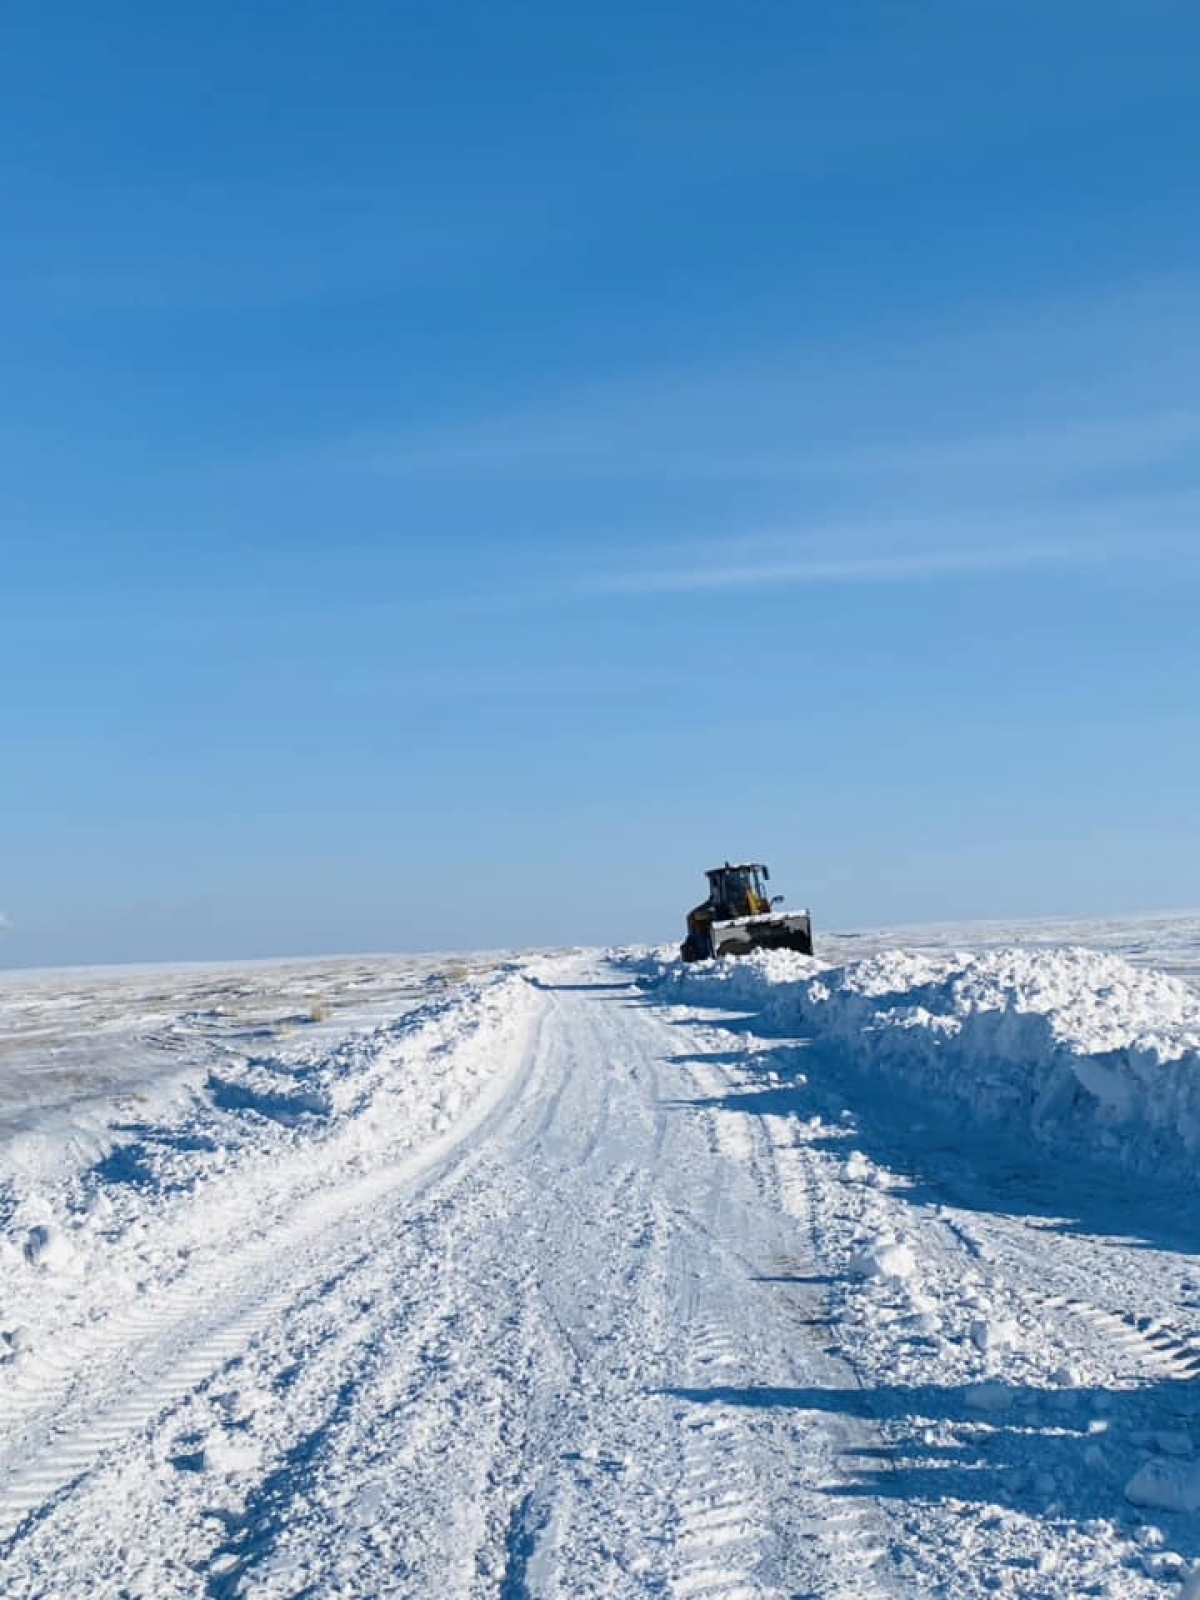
{"points": [[945, 1157], [1031, 1450]]}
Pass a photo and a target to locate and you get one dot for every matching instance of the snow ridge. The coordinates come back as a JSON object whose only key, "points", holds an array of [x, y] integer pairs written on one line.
{"points": [[199, 1210], [1077, 1049]]}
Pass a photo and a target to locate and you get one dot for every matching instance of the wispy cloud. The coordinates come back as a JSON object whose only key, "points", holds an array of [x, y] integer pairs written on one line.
{"points": [[1053, 436], [908, 567], [5, 922], [1038, 396], [1036, 457], [895, 551], [691, 441]]}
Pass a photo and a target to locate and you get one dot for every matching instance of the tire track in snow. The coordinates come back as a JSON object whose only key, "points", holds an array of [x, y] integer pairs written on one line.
{"points": [[1154, 1347], [109, 1382], [1152, 1344], [843, 1537], [718, 1537], [569, 1281], [504, 1503], [175, 1369], [820, 1541]]}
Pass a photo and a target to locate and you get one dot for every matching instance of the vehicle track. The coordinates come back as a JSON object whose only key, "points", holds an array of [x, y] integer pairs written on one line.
{"points": [[1152, 1345], [551, 1354], [62, 1419]]}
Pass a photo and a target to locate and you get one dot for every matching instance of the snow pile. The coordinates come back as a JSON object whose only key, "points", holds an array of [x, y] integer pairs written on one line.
{"points": [[886, 1258], [219, 1155], [1075, 1048]]}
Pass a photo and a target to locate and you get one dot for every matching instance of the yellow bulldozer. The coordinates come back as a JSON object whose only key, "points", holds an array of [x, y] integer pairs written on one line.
{"points": [[738, 917]]}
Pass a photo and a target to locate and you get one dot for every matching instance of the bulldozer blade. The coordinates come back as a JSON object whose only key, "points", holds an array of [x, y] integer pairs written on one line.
{"points": [[740, 935]]}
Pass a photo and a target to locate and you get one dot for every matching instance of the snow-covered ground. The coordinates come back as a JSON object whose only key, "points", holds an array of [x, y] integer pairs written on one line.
{"points": [[1169, 943], [583, 1275]]}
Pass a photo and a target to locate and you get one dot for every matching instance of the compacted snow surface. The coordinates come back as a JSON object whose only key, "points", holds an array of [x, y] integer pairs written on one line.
{"points": [[593, 1275]]}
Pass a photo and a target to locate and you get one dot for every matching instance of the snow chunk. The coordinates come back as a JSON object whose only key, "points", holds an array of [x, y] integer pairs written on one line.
{"points": [[16, 1341], [1165, 1486], [47, 1247], [858, 1168], [885, 1258], [989, 1336], [231, 1453], [242, 1405]]}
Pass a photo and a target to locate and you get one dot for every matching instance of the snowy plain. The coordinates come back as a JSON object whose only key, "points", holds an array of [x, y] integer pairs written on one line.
{"points": [[586, 1274]]}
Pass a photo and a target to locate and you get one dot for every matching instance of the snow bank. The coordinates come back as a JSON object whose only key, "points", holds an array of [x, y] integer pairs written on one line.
{"points": [[1074, 1048], [205, 1159]]}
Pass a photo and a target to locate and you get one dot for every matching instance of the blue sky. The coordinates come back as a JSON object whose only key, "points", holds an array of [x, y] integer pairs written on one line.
{"points": [[465, 469]]}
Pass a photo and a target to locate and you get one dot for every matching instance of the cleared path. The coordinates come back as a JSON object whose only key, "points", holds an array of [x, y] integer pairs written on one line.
{"points": [[597, 1338]]}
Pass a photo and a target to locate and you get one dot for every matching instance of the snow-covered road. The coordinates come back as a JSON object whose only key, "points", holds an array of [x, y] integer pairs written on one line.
{"points": [[577, 1277]]}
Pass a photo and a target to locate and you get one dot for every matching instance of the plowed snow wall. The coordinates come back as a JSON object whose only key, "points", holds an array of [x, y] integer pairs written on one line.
{"points": [[1078, 1050]]}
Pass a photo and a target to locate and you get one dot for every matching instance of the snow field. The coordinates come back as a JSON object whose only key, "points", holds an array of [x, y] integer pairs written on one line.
{"points": [[600, 1277]]}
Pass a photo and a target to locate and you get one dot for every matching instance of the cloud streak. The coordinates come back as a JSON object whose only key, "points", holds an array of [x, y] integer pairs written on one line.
{"points": [[1047, 395], [900, 567], [702, 447], [883, 550]]}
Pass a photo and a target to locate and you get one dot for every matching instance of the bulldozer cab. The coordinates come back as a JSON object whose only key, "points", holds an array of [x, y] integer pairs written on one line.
{"points": [[738, 917], [738, 891]]}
